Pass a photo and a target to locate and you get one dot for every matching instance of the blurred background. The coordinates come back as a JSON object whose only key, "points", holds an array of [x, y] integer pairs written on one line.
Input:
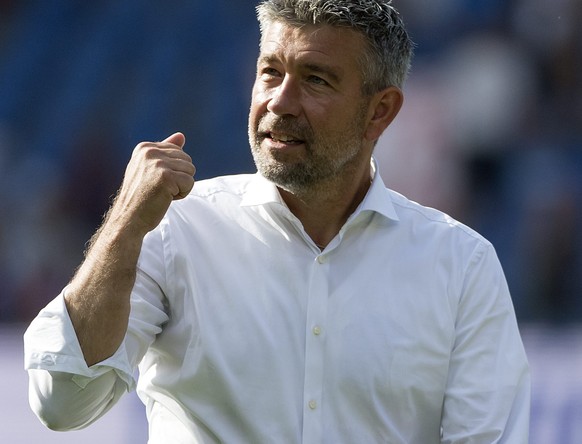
{"points": [[491, 132]]}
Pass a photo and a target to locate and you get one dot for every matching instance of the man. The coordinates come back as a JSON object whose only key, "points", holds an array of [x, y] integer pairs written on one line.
{"points": [[305, 303]]}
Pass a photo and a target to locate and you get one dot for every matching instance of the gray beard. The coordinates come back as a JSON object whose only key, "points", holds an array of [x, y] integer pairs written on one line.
{"points": [[300, 178], [321, 165]]}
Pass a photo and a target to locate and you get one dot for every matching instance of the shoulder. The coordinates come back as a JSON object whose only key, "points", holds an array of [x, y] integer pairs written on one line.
{"points": [[233, 185], [423, 219], [218, 198], [211, 204], [221, 191]]}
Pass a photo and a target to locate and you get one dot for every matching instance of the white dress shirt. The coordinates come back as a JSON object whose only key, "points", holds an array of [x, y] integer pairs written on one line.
{"points": [[401, 331]]}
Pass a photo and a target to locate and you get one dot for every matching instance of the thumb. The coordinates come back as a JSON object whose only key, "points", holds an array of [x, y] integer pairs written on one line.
{"points": [[177, 139]]}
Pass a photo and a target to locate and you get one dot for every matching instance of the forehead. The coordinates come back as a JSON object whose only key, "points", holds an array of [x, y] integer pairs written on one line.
{"points": [[343, 46]]}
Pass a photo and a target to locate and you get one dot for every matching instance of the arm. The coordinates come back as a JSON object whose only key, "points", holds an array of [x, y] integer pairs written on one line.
{"points": [[487, 398], [97, 299], [79, 363]]}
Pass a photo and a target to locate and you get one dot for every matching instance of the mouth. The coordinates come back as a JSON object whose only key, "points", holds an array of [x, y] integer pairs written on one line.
{"points": [[281, 141], [281, 138]]}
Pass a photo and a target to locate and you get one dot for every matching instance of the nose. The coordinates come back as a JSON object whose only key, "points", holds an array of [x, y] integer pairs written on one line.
{"points": [[285, 98]]}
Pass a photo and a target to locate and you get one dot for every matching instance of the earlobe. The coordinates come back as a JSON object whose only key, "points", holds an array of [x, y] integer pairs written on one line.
{"points": [[385, 105]]}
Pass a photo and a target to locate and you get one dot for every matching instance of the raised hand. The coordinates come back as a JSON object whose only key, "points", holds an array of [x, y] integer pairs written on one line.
{"points": [[157, 174]]}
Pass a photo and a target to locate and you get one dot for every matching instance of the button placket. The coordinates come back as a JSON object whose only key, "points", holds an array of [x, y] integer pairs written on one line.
{"points": [[314, 349]]}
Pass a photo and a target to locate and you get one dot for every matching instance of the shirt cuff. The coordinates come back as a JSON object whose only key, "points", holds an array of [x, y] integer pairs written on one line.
{"points": [[50, 343]]}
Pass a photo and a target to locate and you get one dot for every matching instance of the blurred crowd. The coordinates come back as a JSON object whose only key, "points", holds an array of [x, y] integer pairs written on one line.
{"points": [[491, 131]]}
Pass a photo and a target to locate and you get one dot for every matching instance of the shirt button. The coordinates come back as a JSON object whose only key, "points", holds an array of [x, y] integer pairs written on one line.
{"points": [[321, 259], [312, 404], [48, 359], [316, 330]]}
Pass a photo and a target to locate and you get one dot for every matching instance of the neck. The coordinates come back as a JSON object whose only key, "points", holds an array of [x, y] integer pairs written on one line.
{"points": [[324, 208]]}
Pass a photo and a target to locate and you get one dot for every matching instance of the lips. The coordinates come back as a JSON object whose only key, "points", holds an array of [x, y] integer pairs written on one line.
{"points": [[280, 137], [283, 131]]}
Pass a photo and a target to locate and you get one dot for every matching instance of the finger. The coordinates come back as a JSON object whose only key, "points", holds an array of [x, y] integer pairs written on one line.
{"points": [[178, 155], [177, 139], [182, 165], [185, 183]]}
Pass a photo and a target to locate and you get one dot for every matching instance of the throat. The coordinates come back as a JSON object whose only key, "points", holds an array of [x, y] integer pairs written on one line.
{"points": [[320, 246], [324, 210]]}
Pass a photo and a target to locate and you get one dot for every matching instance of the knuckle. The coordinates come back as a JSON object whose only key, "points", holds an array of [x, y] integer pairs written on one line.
{"points": [[166, 176], [151, 152], [157, 163], [142, 150], [141, 146]]}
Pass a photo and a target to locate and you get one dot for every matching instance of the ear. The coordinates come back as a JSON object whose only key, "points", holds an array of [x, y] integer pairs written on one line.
{"points": [[384, 106]]}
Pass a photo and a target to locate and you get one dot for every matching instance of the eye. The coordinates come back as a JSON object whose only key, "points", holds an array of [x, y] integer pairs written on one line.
{"points": [[317, 80], [270, 72]]}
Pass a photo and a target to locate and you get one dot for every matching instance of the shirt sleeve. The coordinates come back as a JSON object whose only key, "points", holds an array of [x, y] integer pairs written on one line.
{"points": [[487, 399], [64, 392]]}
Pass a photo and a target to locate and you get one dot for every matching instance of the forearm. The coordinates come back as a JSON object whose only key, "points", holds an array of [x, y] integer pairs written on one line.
{"points": [[97, 298]]}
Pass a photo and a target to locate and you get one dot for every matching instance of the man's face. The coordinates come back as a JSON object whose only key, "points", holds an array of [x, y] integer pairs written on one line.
{"points": [[308, 116]]}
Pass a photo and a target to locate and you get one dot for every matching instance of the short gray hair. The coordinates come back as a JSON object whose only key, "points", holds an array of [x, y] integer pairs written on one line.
{"points": [[387, 60]]}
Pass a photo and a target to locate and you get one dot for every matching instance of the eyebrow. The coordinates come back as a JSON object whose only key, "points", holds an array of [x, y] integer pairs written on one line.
{"points": [[267, 59]]}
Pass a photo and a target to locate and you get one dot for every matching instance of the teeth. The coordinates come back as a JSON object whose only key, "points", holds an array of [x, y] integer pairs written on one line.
{"points": [[281, 137]]}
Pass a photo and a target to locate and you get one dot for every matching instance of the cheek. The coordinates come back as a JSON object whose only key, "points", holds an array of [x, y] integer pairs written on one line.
{"points": [[258, 105]]}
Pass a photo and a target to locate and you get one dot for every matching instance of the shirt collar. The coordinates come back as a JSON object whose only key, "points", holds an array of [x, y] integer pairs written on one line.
{"points": [[378, 199], [261, 191]]}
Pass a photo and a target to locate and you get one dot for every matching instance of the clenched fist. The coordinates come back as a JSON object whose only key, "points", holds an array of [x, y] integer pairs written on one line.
{"points": [[157, 174]]}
